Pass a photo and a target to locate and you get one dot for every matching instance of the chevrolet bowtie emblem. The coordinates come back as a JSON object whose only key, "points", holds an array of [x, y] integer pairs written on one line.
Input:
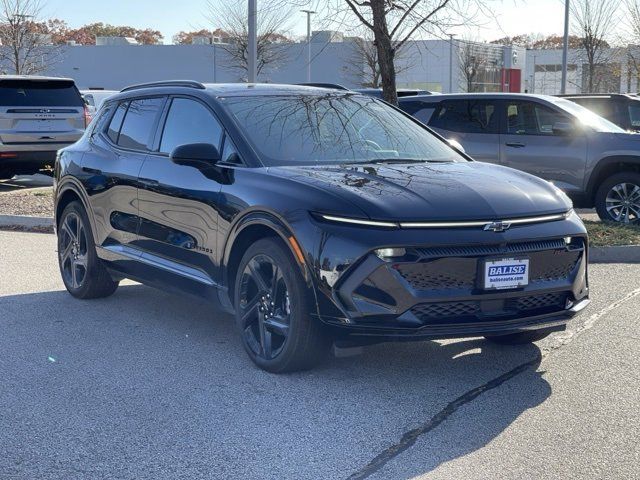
{"points": [[497, 226]]}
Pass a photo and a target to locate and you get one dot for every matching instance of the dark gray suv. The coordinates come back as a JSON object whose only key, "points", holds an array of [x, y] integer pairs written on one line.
{"points": [[594, 161]]}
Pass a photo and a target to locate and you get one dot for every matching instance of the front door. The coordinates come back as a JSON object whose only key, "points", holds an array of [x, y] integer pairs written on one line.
{"points": [[179, 203], [529, 143]]}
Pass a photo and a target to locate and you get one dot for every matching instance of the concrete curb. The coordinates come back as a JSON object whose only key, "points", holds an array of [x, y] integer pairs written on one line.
{"points": [[21, 222], [615, 254]]}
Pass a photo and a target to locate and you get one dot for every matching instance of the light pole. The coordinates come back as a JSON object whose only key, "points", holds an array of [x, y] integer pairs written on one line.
{"points": [[309, 13], [565, 48], [253, 42], [451, 62]]}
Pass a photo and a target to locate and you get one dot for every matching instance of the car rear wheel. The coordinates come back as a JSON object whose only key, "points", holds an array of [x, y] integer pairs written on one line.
{"points": [[83, 273], [521, 338], [273, 309], [618, 198]]}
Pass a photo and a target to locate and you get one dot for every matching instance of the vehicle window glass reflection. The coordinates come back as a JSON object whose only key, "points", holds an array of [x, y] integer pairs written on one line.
{"points": [[189, 121], [138, 123]]}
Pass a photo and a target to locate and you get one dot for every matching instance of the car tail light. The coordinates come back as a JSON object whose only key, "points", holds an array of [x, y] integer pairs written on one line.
{"points": [[87, 117]]}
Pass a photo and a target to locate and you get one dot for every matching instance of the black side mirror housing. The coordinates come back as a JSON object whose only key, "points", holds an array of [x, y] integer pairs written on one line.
{"points": [[563, 128], [199, 155]]}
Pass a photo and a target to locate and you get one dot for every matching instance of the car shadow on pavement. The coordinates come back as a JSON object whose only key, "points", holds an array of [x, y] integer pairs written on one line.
{"points": [[143, 374]]}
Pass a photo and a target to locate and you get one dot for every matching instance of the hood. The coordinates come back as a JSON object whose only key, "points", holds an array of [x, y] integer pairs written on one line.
{"points": [[433, 191]]}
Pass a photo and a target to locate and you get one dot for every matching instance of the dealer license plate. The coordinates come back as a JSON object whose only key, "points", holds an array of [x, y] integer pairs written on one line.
{"points": [[506, 273]]}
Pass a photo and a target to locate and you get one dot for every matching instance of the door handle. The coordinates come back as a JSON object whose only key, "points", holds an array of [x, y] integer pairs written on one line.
{"points": [[515, 144], [93, 171], [148, 182]]}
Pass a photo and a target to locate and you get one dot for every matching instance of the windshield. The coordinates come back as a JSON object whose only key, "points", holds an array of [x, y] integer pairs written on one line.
{"points": [[587, 117], [311, 129]]}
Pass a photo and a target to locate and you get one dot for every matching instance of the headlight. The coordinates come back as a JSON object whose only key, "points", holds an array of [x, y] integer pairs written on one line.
{"points": [[355, 221]]}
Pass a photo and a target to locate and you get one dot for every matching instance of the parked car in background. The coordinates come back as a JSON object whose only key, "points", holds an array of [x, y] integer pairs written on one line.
{"points": [[402, 92], [38, 116], [621, 109], [594, 161], [95, 98], [316, 216]]}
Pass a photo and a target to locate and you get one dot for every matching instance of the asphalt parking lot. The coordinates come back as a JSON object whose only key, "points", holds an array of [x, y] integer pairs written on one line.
{"points": [[149, 385]]}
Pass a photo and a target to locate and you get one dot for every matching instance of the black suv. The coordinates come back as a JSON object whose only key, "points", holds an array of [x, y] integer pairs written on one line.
{"points": [[621, 109], [316, 216]]}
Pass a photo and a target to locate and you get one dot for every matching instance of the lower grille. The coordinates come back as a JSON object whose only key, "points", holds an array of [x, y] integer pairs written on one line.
{"points": [[470, 311]]}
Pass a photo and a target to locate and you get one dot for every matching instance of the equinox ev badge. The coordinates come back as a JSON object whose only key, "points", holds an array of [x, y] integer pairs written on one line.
{"points": [[497, 226]]}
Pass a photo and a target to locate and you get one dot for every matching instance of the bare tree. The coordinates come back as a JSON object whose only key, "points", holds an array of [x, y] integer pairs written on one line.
{"points": [[394, 22], [362, 62], [472, 61], [26, 46], [632, 36], [231, 17], [595, 20]]}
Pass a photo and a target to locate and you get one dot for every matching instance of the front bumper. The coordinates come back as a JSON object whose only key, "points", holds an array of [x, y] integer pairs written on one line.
{"points": [[437, 292]]}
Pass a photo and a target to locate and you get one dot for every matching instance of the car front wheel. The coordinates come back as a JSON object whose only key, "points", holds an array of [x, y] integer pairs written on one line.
{"points": [[273, 309], [618, 198], [83, 273]]}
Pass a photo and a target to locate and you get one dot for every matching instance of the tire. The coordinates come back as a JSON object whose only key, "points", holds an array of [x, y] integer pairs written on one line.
{"points": [[521, 338], [83, 273], [273, 317], [621, 187]]}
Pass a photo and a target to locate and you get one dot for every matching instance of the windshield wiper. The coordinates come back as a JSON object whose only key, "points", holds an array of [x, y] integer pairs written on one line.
{"points": [[403, 160]]}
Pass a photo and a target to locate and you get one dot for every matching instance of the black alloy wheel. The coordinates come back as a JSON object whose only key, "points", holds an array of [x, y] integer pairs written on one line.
{"points": [[265, 307], [273, 307], [83, 273]]}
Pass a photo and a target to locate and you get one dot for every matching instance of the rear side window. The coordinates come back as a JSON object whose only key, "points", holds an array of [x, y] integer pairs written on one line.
{"points": [[139, 122], [189, 121], [116, 122], [29, 93], [634, 114], [420, 110], [466, 116]]}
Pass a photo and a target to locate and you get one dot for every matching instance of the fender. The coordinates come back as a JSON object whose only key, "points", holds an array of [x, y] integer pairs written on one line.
{"points": [[273, 221], [71, 183], [592, 186]]}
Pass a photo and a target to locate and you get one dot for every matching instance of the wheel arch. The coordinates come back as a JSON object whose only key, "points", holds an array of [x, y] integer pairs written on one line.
{"points": [[609, 166], [253, 226]]}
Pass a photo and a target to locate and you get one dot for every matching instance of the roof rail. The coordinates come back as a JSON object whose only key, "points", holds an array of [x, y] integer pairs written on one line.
{"points": [[166, 83]]}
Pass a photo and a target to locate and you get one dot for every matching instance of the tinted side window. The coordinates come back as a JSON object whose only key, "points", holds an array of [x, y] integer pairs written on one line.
{"points": [[529, 118], [420, 110], [466, 116], [116, 122], [189, 121], [138, 123]]}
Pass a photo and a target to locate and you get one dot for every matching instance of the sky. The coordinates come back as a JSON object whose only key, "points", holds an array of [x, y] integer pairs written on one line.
{"points": [[171, 16]]}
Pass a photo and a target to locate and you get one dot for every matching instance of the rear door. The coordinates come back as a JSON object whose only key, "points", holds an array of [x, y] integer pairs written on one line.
{"points": [[473, 123], [111, 168], [44, 113], [528, 143]]}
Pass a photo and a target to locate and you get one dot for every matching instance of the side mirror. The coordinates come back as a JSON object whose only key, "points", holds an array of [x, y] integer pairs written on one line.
{"points": [[563, 128], [456, 145], [199, 155]]}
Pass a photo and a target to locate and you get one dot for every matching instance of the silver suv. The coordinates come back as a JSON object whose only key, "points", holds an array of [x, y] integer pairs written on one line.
{"points": [[38, 116], [594, 161]]}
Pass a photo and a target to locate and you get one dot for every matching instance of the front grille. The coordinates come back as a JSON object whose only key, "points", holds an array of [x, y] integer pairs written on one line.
{"points": [[474, 310], [445, 309], [535, 302], [460, 269], [441, 274]]}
